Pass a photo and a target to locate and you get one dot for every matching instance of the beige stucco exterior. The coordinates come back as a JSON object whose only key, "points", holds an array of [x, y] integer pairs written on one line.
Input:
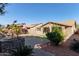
{"points": [[36, 30], [68, 29]]}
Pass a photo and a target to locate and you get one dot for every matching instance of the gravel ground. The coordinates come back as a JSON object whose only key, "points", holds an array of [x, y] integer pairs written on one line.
{"points": [[35, 40], [31, 40]]}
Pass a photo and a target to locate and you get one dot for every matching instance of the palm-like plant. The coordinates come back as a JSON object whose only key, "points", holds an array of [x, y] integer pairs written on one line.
{"points": [[15, 28]]}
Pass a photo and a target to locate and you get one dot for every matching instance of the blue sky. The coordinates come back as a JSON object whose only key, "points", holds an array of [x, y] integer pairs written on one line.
{"points": [[40, 13]]}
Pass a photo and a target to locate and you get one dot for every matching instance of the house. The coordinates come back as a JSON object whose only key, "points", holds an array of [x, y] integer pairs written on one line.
{"points": [[68, 28], [35, 29]]}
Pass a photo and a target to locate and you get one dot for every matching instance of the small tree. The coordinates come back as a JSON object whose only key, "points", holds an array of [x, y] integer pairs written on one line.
{"points": [[56, 36], [16, 29], [2, 8]]}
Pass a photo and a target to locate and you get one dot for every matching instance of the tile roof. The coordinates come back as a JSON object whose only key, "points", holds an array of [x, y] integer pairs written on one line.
{"points": [[69, 23]]}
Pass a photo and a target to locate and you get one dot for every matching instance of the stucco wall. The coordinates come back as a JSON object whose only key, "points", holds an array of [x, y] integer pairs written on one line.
{"points": [[66, 30]]}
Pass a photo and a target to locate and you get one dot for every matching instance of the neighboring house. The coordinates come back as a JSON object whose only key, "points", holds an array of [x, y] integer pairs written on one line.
{"points": [[35, 29], [24, 28], [68, 28]]}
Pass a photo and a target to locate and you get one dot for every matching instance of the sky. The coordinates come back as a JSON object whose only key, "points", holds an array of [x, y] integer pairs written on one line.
{"points": [[30, 13]]}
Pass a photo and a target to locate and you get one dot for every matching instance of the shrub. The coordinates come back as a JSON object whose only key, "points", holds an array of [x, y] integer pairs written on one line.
{"points": [[22, 51], [56, 36], [75, 46], [15, 29]]}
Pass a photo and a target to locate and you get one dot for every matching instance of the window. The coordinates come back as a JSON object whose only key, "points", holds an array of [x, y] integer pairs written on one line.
{"points": [[46, 30]]}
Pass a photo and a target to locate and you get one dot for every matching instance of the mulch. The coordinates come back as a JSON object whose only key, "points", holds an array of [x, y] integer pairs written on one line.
{"points": [[61, 50]]}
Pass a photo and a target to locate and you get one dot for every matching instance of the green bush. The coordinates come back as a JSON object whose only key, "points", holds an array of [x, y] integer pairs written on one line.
{"points": [[22, 51], [56, 36], [75, 46]]}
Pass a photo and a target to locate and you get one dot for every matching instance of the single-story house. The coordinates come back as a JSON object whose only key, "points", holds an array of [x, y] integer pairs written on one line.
{"points": [[68, 28]]}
